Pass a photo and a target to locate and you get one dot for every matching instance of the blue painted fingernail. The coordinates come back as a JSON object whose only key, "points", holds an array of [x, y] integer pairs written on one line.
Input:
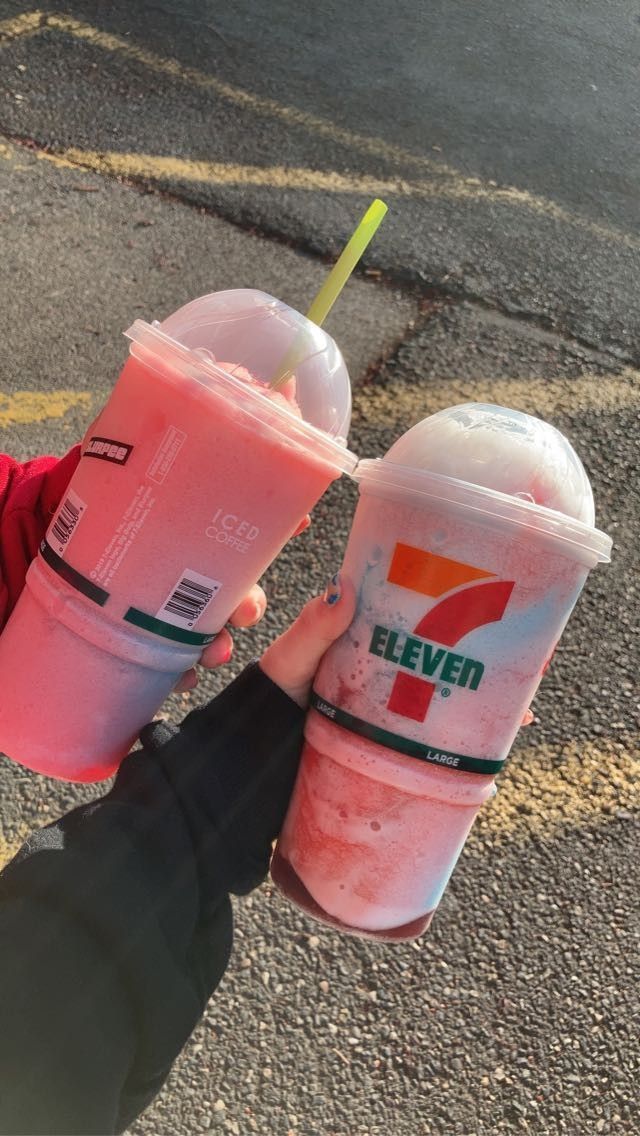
{"points": [[333, 590]]}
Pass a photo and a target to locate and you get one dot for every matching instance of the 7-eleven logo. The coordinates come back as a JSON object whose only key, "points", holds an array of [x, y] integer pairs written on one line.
{"points": [[472, 598]]}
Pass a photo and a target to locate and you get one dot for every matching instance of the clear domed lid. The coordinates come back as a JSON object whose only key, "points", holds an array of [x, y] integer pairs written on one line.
{"points": [[505, 450], [251, 338], [499, 462]]}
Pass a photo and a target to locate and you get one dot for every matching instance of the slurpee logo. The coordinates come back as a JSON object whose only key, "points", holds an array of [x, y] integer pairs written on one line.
{"points": [[471, 598]]}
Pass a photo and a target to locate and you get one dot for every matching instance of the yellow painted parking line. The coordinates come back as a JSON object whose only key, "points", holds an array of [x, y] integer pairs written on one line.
{"points": [[26, 407], [396, 403], [18, 27], [158, 167], [588, 785], [12, 153], [161, 167], [445, 181]]}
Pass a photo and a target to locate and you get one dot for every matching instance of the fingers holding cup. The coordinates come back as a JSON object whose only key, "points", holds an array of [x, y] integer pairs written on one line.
{"points": [[251, 609]]}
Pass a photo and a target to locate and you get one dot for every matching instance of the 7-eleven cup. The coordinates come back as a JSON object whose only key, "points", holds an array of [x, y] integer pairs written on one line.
{"points": [[464, 588]]}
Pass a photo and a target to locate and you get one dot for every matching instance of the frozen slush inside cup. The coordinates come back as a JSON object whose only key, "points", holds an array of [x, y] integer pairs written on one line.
{"points": [[284, 396]]}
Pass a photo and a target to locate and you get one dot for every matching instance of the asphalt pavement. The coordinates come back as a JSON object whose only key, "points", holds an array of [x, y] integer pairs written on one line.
{"points": [[506, 141], [518, 1011]]}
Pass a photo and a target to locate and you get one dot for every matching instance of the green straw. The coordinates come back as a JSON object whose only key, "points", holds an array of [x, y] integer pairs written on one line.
{"points": [[346, 263], [336, 280]]}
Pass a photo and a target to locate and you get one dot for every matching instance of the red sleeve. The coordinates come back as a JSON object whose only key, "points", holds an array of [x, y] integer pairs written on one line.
{"points": [[29, 496]]}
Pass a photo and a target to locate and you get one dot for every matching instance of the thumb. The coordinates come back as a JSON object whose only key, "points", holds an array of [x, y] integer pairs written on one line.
{"points": [[293, 659]]}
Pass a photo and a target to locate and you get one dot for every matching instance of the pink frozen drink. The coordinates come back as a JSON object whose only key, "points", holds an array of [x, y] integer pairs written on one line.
{"points": [[192, 479], [470, 545]]}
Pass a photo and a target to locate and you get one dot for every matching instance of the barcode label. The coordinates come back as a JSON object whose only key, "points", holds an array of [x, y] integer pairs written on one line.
{"points": [[65, 522], [189, 599]]}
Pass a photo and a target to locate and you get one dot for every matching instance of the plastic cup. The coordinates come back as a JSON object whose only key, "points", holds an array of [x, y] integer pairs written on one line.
{"points": [[464, 590], [191, 481]]}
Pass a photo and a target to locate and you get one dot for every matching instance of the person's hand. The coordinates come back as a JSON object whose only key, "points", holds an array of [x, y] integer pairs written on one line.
{"points": [[293, 659]]}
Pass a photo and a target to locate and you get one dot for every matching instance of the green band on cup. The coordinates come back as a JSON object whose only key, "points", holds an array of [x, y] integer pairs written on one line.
{"points": [[72, 576], [166, 630], [407, 746]]}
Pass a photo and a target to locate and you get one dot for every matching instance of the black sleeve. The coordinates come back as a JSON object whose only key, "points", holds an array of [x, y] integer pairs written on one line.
{"points": [[115, 922]]}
